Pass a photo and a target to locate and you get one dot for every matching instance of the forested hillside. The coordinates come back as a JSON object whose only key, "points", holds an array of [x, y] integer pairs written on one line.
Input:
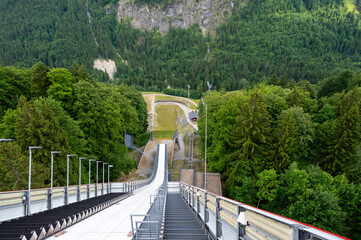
{"points": [[287, 151], [66, 111], [300, 40]]}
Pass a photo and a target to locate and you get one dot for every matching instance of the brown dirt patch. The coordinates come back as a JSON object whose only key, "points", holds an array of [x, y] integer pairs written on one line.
{"points": [[187, 176]]}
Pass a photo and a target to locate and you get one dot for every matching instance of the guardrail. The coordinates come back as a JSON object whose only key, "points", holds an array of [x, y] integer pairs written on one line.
{"points": [[14, 204], [229, 219], [151, 226]]}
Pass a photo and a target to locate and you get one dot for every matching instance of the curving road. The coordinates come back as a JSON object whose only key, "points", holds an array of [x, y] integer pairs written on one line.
{"points": [[185, 109]]}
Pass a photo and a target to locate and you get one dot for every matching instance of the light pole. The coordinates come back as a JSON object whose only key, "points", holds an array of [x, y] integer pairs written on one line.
{"points": [[104, 163], [81, 158], [189, 87], [108, 188], [205, 147], [28, 212], [205, 156], [96, 185], [67, 177], [52, 177], [90, 160]]}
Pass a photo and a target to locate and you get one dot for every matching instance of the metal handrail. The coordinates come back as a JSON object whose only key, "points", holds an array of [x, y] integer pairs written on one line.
{"points": [[13, 204], [232, 218]]}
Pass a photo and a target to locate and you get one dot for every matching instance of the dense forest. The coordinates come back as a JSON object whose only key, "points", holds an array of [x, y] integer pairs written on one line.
{"points": [[292, 149], [66, 111], [300, 40]]}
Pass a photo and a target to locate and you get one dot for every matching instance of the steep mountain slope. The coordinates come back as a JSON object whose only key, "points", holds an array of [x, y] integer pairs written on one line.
{"points": [[300, 40], [207, 14]]}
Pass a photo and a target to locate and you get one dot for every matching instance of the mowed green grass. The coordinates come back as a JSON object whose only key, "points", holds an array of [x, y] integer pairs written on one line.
{"points": [[168, 97], [166, 121]]}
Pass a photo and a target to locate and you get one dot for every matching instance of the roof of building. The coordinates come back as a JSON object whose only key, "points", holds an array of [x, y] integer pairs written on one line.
{"points": [[193, 115]]}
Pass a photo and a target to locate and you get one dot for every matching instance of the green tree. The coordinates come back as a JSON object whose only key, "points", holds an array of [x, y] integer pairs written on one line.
{"points": [[39, 80], [284, 142], [338, 148], [267, 184], [305, 133], [61, 88], [7, 127], [13, 83], [104, 115], [251, 136], [14, 168], [37, 125]]}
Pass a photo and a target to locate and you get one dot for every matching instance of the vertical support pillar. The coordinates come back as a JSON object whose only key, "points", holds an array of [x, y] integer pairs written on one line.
{"points": [[298, 233], [198, 210], [78, 193], [25, 202], [218, 221], [193, 199], [205, 208], [241, 228], [66, 196], [49, 199], [88, 191]]}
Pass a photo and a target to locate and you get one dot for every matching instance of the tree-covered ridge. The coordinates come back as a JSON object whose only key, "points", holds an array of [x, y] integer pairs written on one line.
{"points": [[287, 151], [64, 110], [302, 40]]}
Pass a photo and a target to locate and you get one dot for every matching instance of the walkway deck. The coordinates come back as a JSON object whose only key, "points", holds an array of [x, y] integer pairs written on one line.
{"points": [[180, 223]]}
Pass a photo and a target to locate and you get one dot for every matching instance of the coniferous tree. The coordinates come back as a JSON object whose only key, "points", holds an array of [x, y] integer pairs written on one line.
{"points": [[251, 136], [284, 142], [39, 80], [37, 125], [338, 148]]}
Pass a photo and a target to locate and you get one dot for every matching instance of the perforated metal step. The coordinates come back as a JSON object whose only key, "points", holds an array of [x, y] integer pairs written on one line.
{"points": [[180, 223]]}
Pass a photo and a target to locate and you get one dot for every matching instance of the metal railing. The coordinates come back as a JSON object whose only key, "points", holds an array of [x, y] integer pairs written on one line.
{"points": [[229, 219], [14, 204], [152, 224]]}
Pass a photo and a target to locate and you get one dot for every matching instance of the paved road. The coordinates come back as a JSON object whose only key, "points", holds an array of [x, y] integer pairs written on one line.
{"points": [[185, 109]]}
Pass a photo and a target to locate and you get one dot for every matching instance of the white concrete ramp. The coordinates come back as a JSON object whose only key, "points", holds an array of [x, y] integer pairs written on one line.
{"points": [[114, 222]]}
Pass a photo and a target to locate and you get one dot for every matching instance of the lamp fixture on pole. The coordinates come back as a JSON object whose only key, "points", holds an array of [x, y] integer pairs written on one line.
{"points": [[28, 212], [108, 188], [52, 176]]}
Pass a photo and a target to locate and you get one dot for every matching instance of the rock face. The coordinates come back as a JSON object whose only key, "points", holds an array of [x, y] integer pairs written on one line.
{"points": [[181, 14], [107, 66]]}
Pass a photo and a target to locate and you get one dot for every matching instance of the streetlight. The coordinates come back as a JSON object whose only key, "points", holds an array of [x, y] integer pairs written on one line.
{"points": [[108, 189], [205, 147], [96, 186], [189, 87], [6, 140], [104, 163], [29, 181], [67, 177], [52, 177], [90, 160], [81, 158]]}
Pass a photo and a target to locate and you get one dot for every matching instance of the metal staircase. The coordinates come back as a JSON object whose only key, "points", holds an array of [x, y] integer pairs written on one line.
{"points": [[180, 222]]}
